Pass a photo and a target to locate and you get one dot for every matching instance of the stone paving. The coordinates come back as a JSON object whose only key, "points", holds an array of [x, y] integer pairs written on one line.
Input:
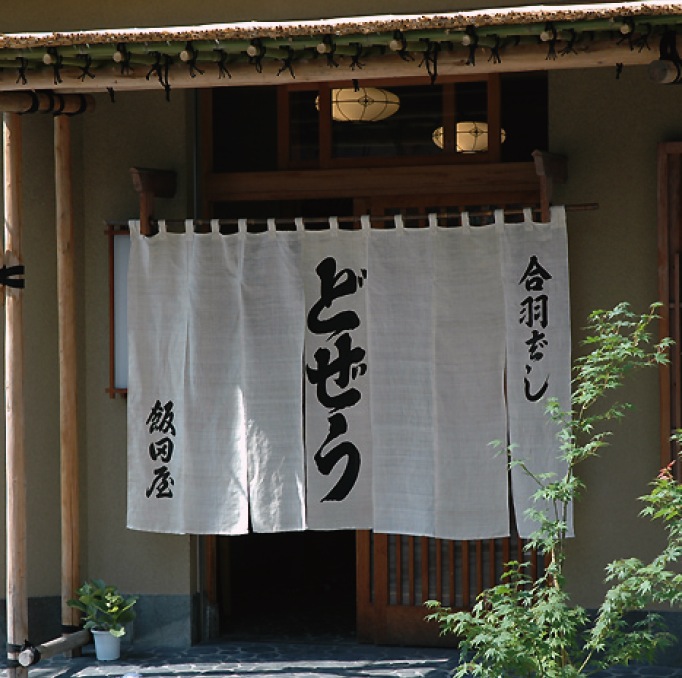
{"points": [[273, 659]]}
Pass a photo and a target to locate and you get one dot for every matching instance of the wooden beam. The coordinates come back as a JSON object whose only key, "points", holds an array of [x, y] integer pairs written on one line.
{"points": [[597, 54], [32, 655], [15, 464], [466, 180], [68, 382]]}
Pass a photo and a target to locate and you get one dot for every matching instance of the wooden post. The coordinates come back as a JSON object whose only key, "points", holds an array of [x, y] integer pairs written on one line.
{"points": [[15, 465], [551, 169], [66, 294]]}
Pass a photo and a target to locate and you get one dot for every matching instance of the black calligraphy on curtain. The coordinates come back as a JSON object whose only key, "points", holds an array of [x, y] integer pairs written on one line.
{"points": [[534, 314], [160, 422], [336, 365]]}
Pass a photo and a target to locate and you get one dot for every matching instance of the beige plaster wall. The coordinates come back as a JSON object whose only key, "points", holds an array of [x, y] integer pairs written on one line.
{"points": [[137, 130], [141, 129], [69, 15], [609, 130]]}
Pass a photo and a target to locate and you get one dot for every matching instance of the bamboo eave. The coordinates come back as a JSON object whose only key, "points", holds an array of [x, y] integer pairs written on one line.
{"points": [[175, 55], [346, 26]]}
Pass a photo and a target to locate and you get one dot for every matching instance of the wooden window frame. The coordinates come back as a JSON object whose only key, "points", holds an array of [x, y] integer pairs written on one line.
{"points": [[448, 157], [670, 295]]}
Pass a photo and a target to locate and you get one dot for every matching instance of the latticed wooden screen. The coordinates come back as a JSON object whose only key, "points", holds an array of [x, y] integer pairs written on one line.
{"points": [[397, 574]]}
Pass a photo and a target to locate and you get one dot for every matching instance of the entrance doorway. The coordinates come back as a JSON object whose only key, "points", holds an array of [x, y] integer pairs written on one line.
{"points": [[296, 584]]}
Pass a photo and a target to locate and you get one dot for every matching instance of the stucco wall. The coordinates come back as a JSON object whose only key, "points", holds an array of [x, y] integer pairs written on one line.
{"points": [[137, 130], [609, 130], [143, 130]]}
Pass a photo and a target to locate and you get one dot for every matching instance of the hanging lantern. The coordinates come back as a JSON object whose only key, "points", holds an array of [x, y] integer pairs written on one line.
{"points": [[472, 137], [366, 104]]}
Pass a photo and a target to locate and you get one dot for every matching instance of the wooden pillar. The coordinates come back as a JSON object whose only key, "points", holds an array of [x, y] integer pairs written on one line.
{"points": [[66, 295], [15, 465]]}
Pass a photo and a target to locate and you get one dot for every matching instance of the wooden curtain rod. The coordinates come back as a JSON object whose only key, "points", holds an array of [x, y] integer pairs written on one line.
{"points": [[449, 214]]}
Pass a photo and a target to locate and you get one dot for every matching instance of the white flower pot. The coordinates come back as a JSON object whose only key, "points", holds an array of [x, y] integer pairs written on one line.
{"points": [[107, 646]]}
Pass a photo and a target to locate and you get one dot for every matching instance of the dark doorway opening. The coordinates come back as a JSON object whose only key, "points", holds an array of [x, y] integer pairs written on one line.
{"points": [[299, 584]]}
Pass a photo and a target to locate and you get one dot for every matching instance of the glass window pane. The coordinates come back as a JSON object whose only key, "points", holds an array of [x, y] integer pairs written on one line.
{"points": [[407, 131], [304, 127], [244, 129]]}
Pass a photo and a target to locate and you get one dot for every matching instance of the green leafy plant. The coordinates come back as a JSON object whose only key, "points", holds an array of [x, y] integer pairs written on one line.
{"points": [[103, 607], [528, 627]]}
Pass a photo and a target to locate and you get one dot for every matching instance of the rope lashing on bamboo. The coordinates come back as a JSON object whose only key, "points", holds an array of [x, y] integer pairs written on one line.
{"points": [[431, 60], [13, 651], [8, 276]]}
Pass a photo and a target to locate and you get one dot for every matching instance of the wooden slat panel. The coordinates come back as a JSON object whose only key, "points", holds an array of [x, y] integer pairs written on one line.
{"points": [[492, 578], [452, 578], [411, 570], [669, 246], [470, 184], [479, 565], [439, 570], [424, 570], [466, 575]]}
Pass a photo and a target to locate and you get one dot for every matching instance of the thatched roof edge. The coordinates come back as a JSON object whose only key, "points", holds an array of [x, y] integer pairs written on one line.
{"points": [[531, 14]]}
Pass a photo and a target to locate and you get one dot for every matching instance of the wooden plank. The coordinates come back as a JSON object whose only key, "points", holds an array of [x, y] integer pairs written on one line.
{"points": [[424, 570], [452, 572], [68, 378], [466, 574], [439, 570], [665, 311], [494, 118], [399, 568], [112, 325], [283, 129], [363, 587], [669, 225], [492, 571], [15, 461], [325, 123], [411, 570], [381, 585], [406, 626]]}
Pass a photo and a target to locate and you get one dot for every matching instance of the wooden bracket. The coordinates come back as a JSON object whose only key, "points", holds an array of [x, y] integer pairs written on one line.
{"points": [[151, 184], [551, 169]]}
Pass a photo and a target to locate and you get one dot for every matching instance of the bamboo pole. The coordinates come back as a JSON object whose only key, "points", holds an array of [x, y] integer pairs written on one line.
{"points": [[32, 655], [43, 102], [15, 467], [67, 370]]}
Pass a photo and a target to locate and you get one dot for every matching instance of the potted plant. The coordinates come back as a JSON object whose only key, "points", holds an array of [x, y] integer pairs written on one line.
{"points": [[105, 612]]}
